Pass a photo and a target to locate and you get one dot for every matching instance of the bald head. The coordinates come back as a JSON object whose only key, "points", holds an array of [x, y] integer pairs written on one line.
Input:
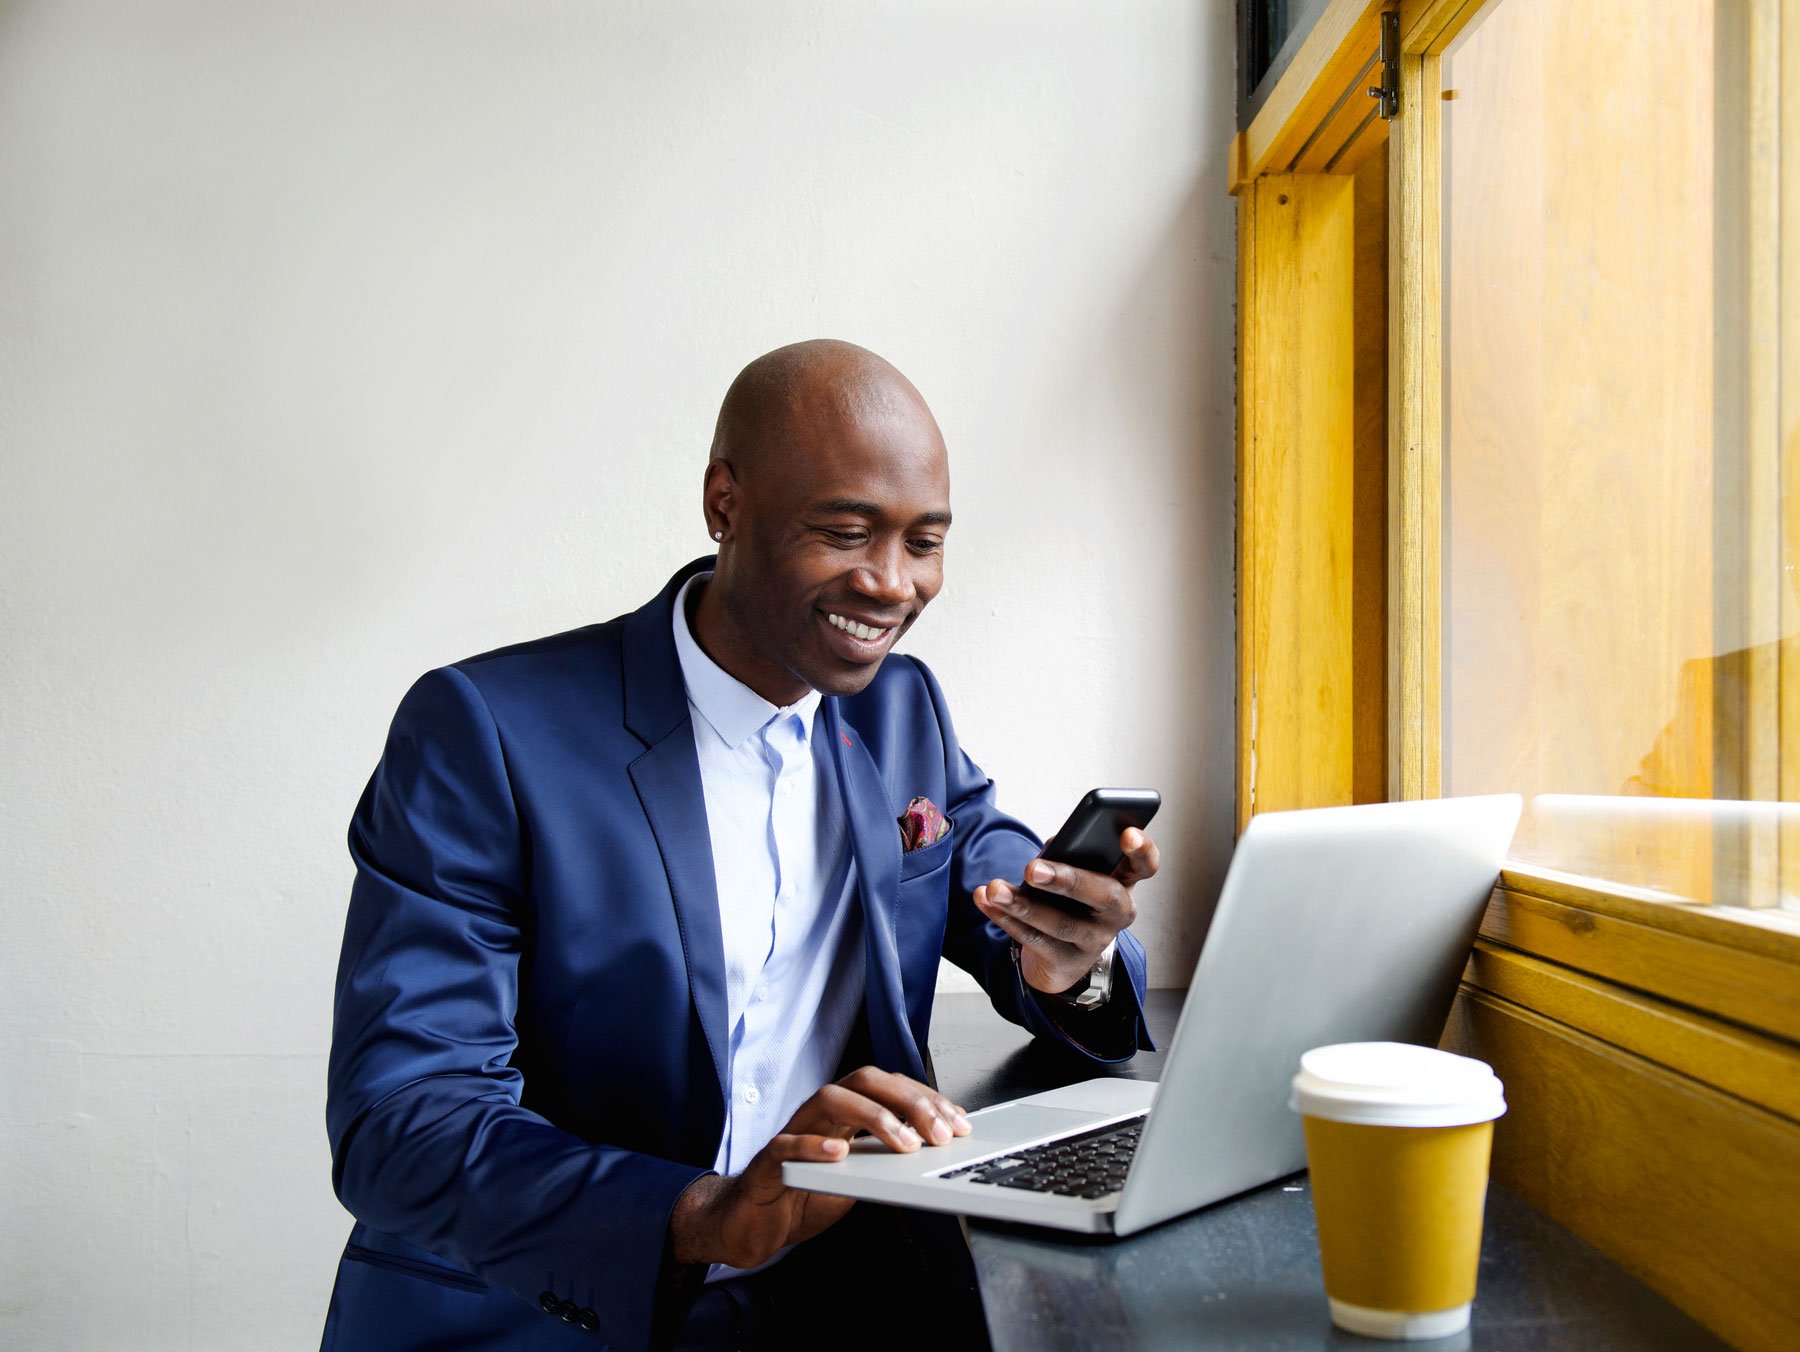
{"points": [[828, 492], [807, 388]]}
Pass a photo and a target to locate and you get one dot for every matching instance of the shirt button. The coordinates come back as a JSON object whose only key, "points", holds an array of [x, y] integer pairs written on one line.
{"points": [[752, 1094], [762, 992]]}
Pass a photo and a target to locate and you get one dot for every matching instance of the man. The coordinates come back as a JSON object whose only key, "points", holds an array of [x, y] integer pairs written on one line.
{"points": [[628, 899]]}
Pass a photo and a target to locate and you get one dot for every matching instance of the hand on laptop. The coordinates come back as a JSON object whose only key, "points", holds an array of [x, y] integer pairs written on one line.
{"points": [[1056, 949], [746, 1218]]}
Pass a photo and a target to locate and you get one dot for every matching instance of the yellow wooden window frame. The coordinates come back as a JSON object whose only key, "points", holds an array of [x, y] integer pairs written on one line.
{"points": [[1651, 1048]]}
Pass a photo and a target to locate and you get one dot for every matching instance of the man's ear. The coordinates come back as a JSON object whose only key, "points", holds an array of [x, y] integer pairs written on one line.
{"points": [[719, 498]]}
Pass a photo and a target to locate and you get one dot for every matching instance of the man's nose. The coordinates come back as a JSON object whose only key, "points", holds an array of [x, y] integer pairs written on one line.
{"points": [[885, 577]]}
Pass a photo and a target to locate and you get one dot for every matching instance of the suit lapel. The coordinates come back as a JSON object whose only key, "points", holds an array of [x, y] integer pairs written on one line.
{"points": [[875, 846], [667, 780]]}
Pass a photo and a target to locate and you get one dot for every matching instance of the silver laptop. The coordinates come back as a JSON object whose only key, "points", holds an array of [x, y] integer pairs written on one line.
{"points": [[1345, 924]]}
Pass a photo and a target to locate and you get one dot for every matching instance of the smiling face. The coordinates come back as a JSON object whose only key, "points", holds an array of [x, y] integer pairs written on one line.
{"points": [[831, 487]]}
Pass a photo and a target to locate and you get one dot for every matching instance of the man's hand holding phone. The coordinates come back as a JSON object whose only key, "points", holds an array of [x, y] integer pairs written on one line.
{"points": [[1067, 914]]}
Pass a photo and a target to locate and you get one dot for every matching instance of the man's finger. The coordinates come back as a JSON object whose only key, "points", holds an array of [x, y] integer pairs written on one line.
{"points": [[902, 1113], [1142, 858], [808, 1147], [1003, 914], [1048, 964], [1075, 932], [1098, 892], [838, 1110], [935, 1118], [1024, 934], [761, 1183]]}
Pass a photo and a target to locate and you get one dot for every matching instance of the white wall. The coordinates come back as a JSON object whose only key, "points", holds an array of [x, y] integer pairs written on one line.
{"points": [[343, 340]]}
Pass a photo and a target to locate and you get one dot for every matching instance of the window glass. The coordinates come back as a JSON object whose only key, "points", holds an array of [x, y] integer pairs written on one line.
{"points": [[1269, 33], [1614, 561], [1267, 24]]}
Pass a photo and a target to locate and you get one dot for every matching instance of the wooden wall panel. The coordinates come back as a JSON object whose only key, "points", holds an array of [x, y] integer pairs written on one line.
{"points": [[1296, 493], [1690, 1189]]}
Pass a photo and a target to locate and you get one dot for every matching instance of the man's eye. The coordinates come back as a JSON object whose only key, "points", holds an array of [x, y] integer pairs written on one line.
{"points": [[847, 537], [926, 545]]}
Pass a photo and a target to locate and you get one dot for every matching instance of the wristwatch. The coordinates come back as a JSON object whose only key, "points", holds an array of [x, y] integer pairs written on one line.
{"points": [[1095, 986]]}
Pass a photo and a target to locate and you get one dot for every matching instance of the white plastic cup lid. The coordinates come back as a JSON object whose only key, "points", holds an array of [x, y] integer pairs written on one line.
{"points": [[1395, 1084]]}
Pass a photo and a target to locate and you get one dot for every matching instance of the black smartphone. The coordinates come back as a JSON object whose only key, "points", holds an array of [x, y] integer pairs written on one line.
{"points": [[1090, 838]]}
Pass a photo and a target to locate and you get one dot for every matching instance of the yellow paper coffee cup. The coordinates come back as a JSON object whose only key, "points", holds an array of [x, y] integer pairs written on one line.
{"points": [[1397, 1140]]}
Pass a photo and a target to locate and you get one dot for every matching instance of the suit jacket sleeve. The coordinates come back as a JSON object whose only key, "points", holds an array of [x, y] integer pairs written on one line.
{"points": [[429, 1141], [989, 845]]}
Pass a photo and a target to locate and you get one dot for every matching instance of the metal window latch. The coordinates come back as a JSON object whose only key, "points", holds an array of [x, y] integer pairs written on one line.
{"points": [[1388, 91]]}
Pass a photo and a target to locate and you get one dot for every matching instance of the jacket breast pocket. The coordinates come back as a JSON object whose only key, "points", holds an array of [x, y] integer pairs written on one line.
{"points": [[928, 859], [922, 905]]}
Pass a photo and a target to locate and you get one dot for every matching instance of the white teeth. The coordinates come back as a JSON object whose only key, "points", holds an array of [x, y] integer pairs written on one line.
{"points": [[861, 631]]}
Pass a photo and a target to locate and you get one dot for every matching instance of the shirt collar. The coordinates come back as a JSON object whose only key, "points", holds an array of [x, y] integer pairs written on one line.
{"points": [[734, 710]]}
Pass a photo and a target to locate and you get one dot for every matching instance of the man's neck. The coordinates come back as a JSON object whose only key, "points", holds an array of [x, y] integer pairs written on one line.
{"points": [[710, 622]]}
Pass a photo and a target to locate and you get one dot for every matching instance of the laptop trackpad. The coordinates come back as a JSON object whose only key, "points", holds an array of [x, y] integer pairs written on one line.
{"points": [[1018, 1122]]}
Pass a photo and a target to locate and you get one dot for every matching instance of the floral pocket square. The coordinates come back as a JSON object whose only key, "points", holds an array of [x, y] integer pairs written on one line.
{"points": [[923, 823]]}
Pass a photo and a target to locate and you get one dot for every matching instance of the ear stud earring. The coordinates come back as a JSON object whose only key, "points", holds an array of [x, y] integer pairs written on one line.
{"points": [[718, 535]]}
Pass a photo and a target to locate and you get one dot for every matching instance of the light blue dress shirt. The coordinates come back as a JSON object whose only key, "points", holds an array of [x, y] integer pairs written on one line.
{"points": [[794, 967]]}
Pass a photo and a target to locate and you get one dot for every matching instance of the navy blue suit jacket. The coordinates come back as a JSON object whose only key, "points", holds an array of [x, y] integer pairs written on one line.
{"points": [[529, 1037]]}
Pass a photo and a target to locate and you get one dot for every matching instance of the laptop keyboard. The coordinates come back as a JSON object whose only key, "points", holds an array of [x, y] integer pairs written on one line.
{"points": [[1092, 1164]]}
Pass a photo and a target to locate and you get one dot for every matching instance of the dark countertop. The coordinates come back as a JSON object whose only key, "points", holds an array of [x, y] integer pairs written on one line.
{"points": [[1244, 1273]]}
